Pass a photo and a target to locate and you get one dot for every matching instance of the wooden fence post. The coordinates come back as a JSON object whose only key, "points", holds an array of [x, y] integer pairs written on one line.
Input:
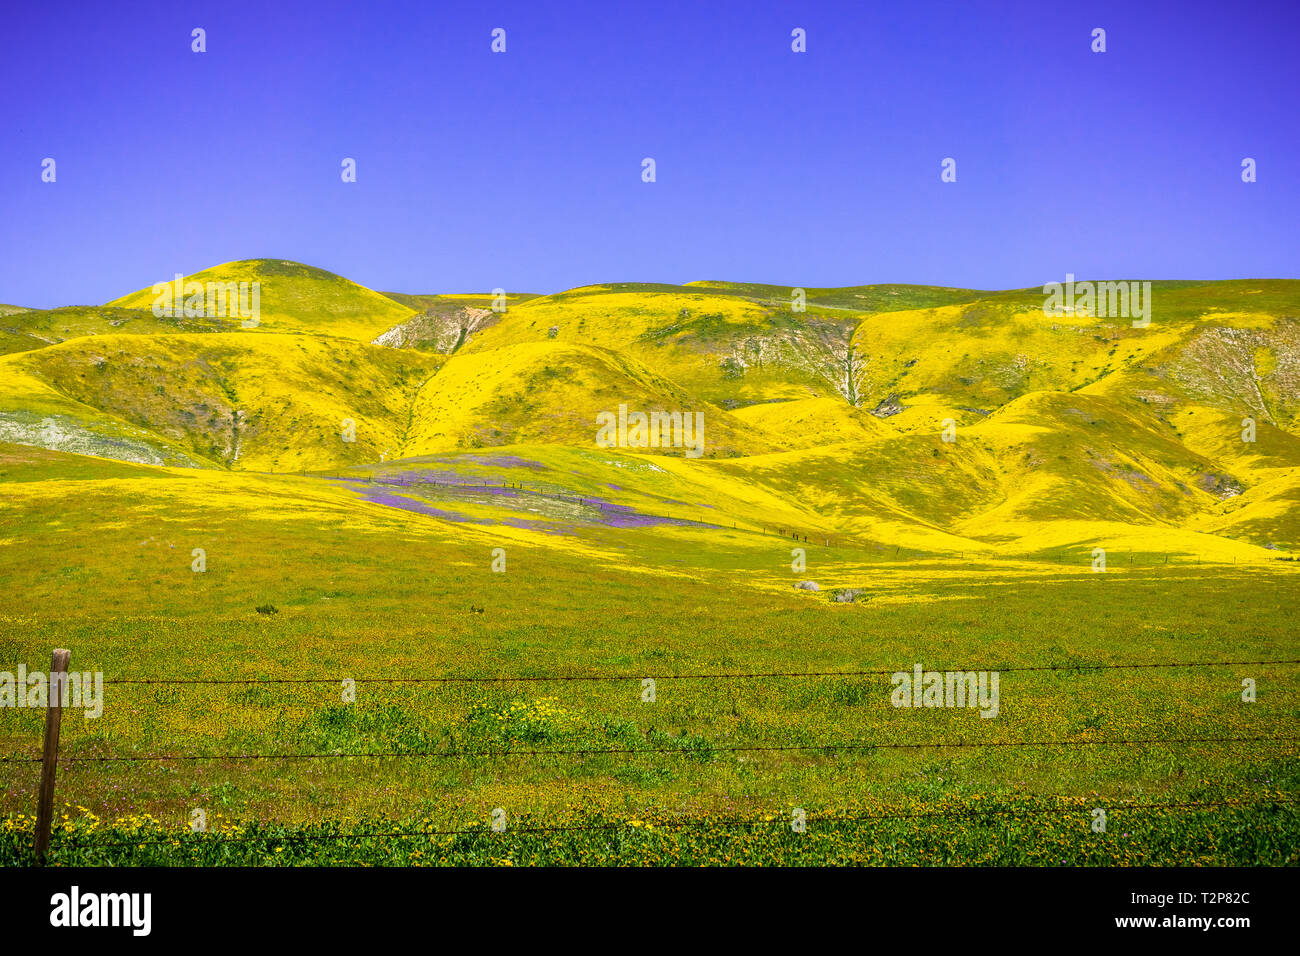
{"points": [[53, 716]]}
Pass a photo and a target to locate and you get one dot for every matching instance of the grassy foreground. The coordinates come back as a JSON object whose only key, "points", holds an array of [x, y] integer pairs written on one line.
{"points": [[1016, 833], [710, 772]]}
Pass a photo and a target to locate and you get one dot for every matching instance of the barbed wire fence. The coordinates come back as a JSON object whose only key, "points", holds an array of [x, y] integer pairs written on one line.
{"points": [[50, 759]]}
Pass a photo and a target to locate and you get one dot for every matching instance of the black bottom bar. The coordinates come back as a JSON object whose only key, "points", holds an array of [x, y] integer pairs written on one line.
{"points": [[949, 906]]}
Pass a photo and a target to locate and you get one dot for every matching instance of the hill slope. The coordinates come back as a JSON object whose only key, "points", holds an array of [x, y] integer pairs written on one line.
{"points": [[298, 298], [552, 392], [237, 400], [36, 328], [933, 418]]}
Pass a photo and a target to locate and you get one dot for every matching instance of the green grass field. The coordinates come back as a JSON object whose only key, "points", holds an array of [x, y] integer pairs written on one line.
{"points": [[360, 591]]}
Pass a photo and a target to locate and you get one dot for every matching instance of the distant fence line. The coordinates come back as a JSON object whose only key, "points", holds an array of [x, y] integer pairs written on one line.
{"points": [[50, 759]]}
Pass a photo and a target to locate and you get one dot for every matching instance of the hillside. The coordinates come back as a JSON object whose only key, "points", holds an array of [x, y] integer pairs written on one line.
{"points": [[235, 400], [30, 329], [548, 392], [726, 349], [941, 420], [296, 298]]}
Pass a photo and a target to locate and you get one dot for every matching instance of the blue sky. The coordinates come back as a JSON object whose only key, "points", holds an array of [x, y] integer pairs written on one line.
{"points": [[523, 170]]}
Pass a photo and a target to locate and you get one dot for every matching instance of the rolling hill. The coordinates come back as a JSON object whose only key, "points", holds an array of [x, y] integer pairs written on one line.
{"points": [[944, 420], [548, 392], [296, 298], [28, 329], [245, 400]]}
